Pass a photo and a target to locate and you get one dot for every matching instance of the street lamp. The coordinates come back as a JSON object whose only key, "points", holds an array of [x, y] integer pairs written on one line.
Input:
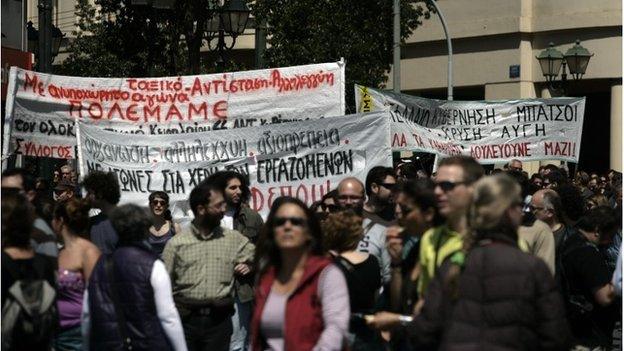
{"points": [[230, 19], [552, 61], [33, 39]]}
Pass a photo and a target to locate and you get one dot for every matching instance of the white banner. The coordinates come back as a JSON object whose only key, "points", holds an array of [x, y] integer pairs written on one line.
{"points": [[489, 131], [304, 159], [42, 108]]}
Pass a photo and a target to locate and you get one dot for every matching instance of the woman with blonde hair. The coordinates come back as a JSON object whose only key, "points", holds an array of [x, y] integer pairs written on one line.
{"points": [[490, 295]]}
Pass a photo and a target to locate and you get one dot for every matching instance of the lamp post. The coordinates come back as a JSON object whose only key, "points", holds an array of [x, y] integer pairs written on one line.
{"points": [[153, 6], [34, 46], [552, 61], [230, 19]]}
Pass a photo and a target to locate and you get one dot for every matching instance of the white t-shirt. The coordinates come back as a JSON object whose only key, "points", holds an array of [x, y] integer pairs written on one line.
{"points": [[227, 221]]}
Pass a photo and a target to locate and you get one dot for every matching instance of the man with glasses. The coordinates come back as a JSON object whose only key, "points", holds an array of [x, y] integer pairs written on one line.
{"points": [[351, 197], [515, 165], [203, 262], [453, 192], [379, 208], [546, 206]]}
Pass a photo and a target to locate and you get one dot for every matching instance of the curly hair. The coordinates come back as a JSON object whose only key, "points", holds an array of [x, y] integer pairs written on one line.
{"points": [[342, 231], [224, 177], [104, 185]]}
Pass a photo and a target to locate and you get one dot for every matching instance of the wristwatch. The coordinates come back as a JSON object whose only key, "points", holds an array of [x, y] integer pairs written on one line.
{"points": [[405, 320]]}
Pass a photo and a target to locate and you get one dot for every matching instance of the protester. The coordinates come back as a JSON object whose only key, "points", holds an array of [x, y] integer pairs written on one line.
{"points": [[25, 273], [380, 182], [490, 295], [416, 212], [129, 305], [302, 301], [406, 171], [342, 231], [453, 191], [351, 197], [43, 239], [239, 217], [75, 261], [534, 236], [546, 206], [102, 192], [64, 190], [586, 285], [582, 182], [537, 181], [515, 165], [329, 202], [597, 200], [202, 262], [163, 228]]}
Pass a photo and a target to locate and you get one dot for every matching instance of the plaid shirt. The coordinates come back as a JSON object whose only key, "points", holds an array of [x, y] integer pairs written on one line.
{"points": [[202, 267]]}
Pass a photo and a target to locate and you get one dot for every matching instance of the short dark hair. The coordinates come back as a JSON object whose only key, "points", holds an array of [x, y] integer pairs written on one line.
{"points": [[28, 182], [556, 177], [163, 195], [223, 178], [131, 223], [522, 180], [377, 175], [104, 185], [472, 169], [267, 252], [200, 195], [331, 195], [17, 219], [572, 202]]}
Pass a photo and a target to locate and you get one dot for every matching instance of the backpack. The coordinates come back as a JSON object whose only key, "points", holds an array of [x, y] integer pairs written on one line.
{"points": [[29, 313]]}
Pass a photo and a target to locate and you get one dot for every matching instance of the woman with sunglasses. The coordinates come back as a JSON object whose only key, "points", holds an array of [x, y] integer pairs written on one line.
{"points": [[490, 295], [302, 301], [163, 227]]}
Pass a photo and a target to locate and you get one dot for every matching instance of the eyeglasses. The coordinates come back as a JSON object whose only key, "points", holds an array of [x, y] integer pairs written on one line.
{"points": [[159, 202], [349, 197], [447, 186], [389, 186], [535, 208], [296, 221], [330, 208]]}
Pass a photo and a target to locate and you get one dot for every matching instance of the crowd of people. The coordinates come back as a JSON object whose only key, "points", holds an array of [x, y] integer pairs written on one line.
{"points": [[401, 260]]}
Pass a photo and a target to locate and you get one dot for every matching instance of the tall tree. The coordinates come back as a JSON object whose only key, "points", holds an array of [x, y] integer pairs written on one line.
{"points": [[360, 31]]}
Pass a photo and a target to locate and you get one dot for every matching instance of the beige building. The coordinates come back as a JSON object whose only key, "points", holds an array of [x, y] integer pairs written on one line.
{"points": [[490, 36]]}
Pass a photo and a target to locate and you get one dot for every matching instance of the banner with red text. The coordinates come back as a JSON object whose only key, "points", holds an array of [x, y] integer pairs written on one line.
{"points": [[305, 159], [44, 107], [489, 131]]}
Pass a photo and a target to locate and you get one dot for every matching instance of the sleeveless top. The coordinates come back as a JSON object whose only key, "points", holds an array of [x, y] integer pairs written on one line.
{"points": [[158, 242], [363, 280], [71, 288]]}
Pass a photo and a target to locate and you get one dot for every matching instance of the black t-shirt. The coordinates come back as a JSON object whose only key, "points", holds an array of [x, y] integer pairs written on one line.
{"points": [[586, 272], [363, 280]]}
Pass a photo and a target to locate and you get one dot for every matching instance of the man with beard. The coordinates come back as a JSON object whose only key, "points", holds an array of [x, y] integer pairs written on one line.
{"points": [[239, 217], [202, 262], [351, 197], [379, 208]]}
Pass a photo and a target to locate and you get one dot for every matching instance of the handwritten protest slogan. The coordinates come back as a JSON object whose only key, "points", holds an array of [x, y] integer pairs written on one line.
{"points": [[489, 131], [43, 108], [305, 159]]}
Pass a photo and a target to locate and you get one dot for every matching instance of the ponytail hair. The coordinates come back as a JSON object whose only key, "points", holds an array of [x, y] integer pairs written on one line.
{"points": [[492, 197], [75, 215]]}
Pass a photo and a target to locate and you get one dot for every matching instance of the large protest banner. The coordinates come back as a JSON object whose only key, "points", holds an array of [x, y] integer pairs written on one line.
{"points": [[305, 159], [42, 108], [489, 131]]}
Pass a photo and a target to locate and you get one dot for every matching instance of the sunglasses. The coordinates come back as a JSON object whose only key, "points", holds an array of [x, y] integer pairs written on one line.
{"points": [[447, 186], [296, 221], [389, 186], [159, 202], [330, 208]]}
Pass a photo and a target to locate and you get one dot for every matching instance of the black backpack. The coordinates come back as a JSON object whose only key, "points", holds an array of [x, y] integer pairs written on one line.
{"points": [[29, 313]]}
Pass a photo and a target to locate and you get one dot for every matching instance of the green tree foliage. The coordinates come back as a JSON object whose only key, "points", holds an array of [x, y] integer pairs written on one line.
{"points": [[314, 31]]}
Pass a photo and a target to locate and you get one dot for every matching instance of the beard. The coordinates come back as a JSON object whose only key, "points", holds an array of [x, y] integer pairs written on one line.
{"points": [[211, 221]]}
